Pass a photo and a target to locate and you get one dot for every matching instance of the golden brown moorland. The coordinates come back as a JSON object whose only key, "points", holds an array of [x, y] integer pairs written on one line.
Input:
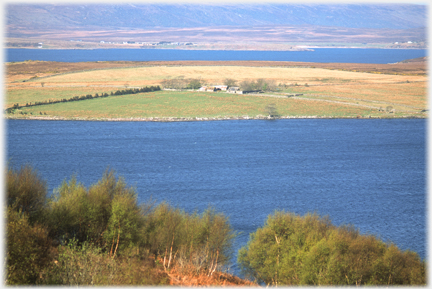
{"points": [[320, 90]]}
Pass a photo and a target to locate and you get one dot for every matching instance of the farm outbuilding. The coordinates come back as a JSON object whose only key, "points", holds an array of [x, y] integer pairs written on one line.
{"points": [[221, 87], [214, 88], [234, 89], [207, 88]]}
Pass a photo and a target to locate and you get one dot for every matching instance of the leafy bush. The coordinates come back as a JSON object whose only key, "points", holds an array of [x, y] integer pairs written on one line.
{"points": [[259, 84], [106, 215], [181, 83], [101, 236], [309, 250], [195, 242], [28, 249], [87, 265], [194, 84], [26, 192]]}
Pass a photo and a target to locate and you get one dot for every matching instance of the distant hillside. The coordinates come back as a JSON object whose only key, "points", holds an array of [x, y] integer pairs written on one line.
{"points": [[101, 16]]}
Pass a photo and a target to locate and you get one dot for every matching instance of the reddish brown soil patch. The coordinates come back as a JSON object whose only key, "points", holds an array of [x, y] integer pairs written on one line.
{"points": [[217, 279]]}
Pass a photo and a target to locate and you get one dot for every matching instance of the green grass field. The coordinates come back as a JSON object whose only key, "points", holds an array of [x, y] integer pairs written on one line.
{"points": [[169, 104]]}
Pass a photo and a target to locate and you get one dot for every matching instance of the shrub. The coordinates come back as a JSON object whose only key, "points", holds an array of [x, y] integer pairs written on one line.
{"points": [[309, 250], [26, 192], [107, 214], [259, 84], [194, 84], [68, 209], [80, 265], [195, 242], [102, 236], [86, 265], [27, 249]]}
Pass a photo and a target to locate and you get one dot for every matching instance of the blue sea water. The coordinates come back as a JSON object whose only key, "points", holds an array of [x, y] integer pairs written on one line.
{"points": [[369, 173], [323, 55]]}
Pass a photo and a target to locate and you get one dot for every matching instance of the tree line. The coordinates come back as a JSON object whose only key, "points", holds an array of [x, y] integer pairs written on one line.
{"points": [[247, 85], [182, 83], [84, 97], [101, 235]]}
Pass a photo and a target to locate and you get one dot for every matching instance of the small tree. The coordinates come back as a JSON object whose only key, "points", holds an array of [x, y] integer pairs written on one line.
{"points": [[194, 84], [247, 85], [271, 110], [124, 223], [230, 82]]}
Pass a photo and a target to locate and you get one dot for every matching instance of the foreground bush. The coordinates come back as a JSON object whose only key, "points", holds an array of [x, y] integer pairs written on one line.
{"points": [[26, 191], [86, 264], [28, 249], [195, 242], [309, 250], [102, 236]]}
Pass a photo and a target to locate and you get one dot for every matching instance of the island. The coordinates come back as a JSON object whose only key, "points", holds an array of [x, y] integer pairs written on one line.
{"points": [[214, 90]]}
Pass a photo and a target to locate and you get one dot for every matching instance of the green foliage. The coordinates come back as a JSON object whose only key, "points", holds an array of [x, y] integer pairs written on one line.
{"points": [[124, 223], [86, 265], [27, 249], [259, 84], [195, 242], [68, 208], [309, 250], [194, 84], [181, 83], [79, 265], [26, 192], [271, 110], [175, 83], [102, 236], [106, 214]]}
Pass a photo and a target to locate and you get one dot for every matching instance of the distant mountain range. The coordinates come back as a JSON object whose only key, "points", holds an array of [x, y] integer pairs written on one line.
{"points": [[132, 16], [229, 23]]}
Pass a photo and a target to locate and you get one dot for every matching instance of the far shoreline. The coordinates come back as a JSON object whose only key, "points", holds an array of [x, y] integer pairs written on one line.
{"points": [[196, 119]]}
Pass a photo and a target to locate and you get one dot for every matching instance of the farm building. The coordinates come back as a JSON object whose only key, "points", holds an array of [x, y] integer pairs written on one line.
{"points": [[221, 87], [214, 88], [207, 88], [234, 89]]}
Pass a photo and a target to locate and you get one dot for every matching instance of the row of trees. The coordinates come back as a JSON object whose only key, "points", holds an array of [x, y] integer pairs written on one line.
{"points": [[246, 85], [294, 250], [182, 83], [82, 236], [88, 96], [259, 84], [100, 235]]}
